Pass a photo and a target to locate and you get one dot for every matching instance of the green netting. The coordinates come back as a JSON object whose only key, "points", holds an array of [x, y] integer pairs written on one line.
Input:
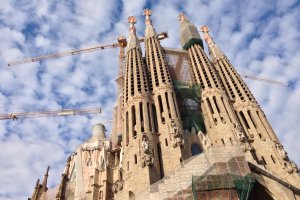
{"points": [[242, 184], [193, 41], [189, 98]]}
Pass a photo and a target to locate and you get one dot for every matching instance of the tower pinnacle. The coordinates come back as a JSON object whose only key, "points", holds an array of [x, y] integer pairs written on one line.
{"points": [[214, 51], [132, 39], [149, 31], [46, 179], [182, 17], [205, 29], [189, 34], [147, 13], [132, 20]]}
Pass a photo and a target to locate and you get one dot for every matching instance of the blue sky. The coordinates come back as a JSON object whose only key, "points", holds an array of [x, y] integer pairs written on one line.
{"points": [[259, 37]]}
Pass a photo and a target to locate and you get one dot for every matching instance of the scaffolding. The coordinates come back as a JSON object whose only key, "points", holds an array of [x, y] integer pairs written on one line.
{"points": [[188, 99], [188, 93], [231, 183]]}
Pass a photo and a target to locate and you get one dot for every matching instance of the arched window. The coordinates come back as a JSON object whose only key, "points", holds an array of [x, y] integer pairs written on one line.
{"points": [[131, 195], [195, 149]]}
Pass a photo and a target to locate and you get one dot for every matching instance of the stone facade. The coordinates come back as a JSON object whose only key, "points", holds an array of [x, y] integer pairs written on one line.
{"points": [[158, 151]]}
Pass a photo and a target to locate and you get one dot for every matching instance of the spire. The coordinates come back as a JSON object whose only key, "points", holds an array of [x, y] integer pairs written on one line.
{"points": [[214, 51], [132, 40], [36, 191], [182, 17], [189, 34], [45, 180], [63, 184], [149, 32]]}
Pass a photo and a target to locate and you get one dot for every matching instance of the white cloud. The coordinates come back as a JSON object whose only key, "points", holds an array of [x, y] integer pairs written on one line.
{"points": [[258, 37]]}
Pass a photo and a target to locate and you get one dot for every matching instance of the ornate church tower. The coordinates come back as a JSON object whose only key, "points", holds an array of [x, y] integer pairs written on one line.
{"points": [[220, 121], [139, 140], [267, 150], [167, 122]]}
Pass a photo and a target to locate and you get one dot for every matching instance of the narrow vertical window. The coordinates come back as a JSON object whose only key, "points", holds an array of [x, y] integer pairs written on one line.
{"points": [[133, 118], [223, 142], [215, 101], [244, 119], [155, 118], [273, 159], [135, 159], [166, 141], [127, 128], [209, 105], [226, 109], [263, 160], [149, 117], [161, 164], [168, 105], [249, 114], [161, 109], [141, 117]]}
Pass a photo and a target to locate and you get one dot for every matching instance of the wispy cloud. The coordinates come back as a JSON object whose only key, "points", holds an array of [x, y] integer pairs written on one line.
{"points": [[260, 37]]}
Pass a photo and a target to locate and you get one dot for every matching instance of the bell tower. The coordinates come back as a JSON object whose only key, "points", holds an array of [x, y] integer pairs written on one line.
{"points": [[139, 140], [267, 150], [167, 122], [220, 120]]}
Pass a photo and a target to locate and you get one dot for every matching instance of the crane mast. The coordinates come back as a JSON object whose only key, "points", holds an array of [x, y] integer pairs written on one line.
{"points": [[49, 113]]}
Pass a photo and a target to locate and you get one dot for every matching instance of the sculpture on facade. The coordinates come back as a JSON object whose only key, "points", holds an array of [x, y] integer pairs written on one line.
{"points": [[176, 135], [147, 152], [282, 153], [239, 132]]}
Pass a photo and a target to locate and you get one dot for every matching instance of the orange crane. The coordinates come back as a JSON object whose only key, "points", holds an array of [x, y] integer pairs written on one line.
{"points": [[50, 113], [122, 43]]}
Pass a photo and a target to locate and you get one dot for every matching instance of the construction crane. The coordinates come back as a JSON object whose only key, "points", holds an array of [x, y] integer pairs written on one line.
{"points": [[49, 113], [263, 80], [122, 43]]}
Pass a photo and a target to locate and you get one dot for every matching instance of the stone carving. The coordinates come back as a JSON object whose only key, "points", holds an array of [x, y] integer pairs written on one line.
{"points": [[295, 167], [239, 132], [147, 156], [176, 134], [282, 153], [289, 167], [117, 186], [246, 147], [205, 29]]}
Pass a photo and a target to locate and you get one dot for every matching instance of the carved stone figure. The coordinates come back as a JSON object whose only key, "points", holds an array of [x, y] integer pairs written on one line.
{"points": [[289, 167], [239, 132], [176, 134], [281, 151], [117, 186], [145, 145], [294, 166], [147, 157], [246, 147]]}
